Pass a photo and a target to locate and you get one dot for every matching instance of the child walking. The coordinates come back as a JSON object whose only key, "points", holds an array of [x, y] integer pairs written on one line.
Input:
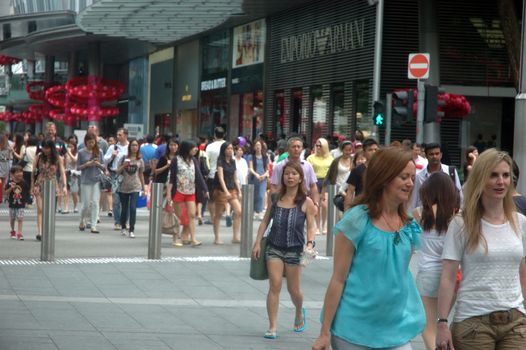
{"points": [[17, 192]]}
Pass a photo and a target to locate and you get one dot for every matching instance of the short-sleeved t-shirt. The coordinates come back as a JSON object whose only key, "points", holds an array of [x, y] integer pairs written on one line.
{"points": [[320, 165], [19, 195], [131, 182], [356, 179], [229, 168], [379, 284], [89, 175], [309, 177], [490, 282]]}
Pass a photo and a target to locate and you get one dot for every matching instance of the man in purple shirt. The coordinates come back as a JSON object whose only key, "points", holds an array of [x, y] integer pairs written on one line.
{"points": [[295, 147]]}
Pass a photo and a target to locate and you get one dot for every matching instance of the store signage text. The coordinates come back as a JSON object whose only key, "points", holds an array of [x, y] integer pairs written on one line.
{"points": [[208, 85], [319, 42]]}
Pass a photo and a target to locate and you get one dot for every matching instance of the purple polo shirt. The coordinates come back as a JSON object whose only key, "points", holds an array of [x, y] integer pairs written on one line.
{"points": [[308, 174]]}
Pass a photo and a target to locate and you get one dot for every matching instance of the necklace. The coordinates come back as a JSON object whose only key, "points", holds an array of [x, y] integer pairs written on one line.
{"points": [[396, 236]]}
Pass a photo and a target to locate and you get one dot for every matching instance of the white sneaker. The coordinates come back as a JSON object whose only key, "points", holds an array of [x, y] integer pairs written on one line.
{"points": [[131, 235], [123, 232]]}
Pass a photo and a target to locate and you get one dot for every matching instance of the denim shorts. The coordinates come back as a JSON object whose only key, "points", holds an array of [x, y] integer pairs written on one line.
{"points": [[288, 257], [428, 282]]}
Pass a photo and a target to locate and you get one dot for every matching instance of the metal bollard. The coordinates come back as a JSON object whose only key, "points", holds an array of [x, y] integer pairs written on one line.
{"points": [[154, 235], [247, 220], [47, 247], [331, 219]]}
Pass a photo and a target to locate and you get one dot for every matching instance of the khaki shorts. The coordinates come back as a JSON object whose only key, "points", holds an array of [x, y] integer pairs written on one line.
{"points": [[508, 328], [220, 196]]}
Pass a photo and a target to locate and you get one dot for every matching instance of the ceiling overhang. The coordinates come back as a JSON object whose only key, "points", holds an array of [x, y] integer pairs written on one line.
{"points": [[156, 21]]}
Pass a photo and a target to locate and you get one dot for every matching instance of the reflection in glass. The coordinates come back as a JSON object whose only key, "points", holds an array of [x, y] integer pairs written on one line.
{"points": [[364, 120], [340, 122], [319, 114]]}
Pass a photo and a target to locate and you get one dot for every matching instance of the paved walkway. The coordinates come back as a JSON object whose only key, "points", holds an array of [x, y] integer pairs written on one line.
{"points": [[102, 293]]}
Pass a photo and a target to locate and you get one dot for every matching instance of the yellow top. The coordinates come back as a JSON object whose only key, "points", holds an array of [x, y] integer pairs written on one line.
{"points": [[320, 164]]}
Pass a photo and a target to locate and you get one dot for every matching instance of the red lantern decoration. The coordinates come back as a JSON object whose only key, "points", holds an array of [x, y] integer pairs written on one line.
{"points": [[8, 60]]}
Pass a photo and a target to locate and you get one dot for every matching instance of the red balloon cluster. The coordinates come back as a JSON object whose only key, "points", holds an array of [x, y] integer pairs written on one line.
{"points": [[456, 106], [8, 60], [80, 98]]}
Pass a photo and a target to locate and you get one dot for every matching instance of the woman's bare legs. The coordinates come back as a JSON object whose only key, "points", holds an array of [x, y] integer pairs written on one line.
{"points": [[236, 206], [218, 211], [275, 275]]}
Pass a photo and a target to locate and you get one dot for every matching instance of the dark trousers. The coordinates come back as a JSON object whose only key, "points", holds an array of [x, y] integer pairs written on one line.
{"points": [[128, 204]]}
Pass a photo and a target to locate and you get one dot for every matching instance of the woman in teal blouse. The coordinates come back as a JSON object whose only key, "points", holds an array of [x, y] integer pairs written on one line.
{"points": [[372, 301]]}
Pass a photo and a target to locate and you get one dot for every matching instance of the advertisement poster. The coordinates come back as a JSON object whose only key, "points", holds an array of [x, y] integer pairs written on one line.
{"points": [[249, 44]]}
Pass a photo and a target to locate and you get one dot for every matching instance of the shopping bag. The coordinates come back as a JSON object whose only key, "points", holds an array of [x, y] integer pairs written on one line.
{"points": [[258, 268], [170, 222]]}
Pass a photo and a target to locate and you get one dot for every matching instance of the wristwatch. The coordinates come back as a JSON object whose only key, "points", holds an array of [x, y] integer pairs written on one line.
{"points": [[312, 242], [442, 320]]}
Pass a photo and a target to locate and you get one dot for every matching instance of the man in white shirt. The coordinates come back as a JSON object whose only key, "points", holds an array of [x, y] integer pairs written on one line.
{"points": [[434, 157], [212, 152], [112, 159]]}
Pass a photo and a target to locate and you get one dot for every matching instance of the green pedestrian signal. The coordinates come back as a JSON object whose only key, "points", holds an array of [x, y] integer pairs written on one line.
{"points": [[379, 120], [378, 113]]}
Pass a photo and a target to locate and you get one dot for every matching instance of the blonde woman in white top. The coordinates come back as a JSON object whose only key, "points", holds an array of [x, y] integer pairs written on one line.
{"points": [[489, 241]]}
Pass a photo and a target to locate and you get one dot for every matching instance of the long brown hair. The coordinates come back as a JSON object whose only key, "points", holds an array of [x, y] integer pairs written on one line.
{"points": [[91, 136], [438, 189], [300, 195], [385, 165], [473, 189]]}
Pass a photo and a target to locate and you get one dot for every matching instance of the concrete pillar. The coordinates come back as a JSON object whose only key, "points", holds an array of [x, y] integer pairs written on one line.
{"points": [[49, 77], [428, 42], [30, 76], [72, 72], [94, 68]]}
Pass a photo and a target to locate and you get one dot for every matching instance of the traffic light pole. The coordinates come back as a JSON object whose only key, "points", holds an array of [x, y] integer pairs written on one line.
{"points": [[519, 143], [421, 96], [388, 116]]}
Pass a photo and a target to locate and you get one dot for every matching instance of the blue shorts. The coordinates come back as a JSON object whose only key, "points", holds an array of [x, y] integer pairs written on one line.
{"points": [[287, 256]]}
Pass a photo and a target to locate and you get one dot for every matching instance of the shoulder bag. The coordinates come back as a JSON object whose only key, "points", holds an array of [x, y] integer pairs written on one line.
{"points": [[258, 267]]}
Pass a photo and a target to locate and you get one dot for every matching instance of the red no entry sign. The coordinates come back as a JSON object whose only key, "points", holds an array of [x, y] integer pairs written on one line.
{"points": [[418, 66]]}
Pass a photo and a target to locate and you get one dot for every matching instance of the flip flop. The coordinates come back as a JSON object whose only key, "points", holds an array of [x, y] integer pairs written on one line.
{"points": [[297, 323], [271, 335]]}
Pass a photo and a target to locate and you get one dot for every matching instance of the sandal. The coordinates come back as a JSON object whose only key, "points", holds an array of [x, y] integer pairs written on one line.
{"points": [[177, 243], [271, 335], [82, 227], [303, 322], [196, 243]]}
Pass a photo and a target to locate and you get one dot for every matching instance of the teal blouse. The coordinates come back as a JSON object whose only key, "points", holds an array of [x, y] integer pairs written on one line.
{"points": [[380, 305]]}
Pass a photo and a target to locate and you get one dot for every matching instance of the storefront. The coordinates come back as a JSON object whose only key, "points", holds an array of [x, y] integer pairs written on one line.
{"points": [[187, 89], [320, 69], [246, 99], [213, 105], [161, 90]]}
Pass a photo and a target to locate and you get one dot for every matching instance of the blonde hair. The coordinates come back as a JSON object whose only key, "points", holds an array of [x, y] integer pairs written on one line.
{"points": [[324, 149], [474, 187]]}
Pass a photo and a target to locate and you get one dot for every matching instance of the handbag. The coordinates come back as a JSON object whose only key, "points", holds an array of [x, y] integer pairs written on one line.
{"points": [[170, 221], [339, 201], [23, 161], [116, 182], [105, 180], [258, 267]]}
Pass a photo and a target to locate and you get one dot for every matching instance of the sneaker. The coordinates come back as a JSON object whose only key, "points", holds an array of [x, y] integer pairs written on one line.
{"points": [[110, 213], [88, 226], [228, 221], [123, 232], [131, 234], [19, 236], [13, 234], [75, 210], [116, 227], [39, 237]]}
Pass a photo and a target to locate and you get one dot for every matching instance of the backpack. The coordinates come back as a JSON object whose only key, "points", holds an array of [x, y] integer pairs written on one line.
{"points": [[203, 165]]}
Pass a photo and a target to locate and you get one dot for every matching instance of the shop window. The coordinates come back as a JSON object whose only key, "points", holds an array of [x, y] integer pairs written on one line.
{"points": [[296, 110], [279, 112], [213, 111], [215, 53], [319, 114], [364, 120], [247, 109], [340, 122]]}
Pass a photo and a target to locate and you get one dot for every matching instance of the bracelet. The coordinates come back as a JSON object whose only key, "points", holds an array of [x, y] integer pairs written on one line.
{"points": [[442, 320]]}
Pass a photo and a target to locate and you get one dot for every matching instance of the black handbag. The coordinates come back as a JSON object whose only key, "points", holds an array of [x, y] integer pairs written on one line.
{"points": [[105, 180], [339, 201]]}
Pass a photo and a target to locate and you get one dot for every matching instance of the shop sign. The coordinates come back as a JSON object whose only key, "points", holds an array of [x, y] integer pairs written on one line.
{"points": [[213, 84], [329, 40]]}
